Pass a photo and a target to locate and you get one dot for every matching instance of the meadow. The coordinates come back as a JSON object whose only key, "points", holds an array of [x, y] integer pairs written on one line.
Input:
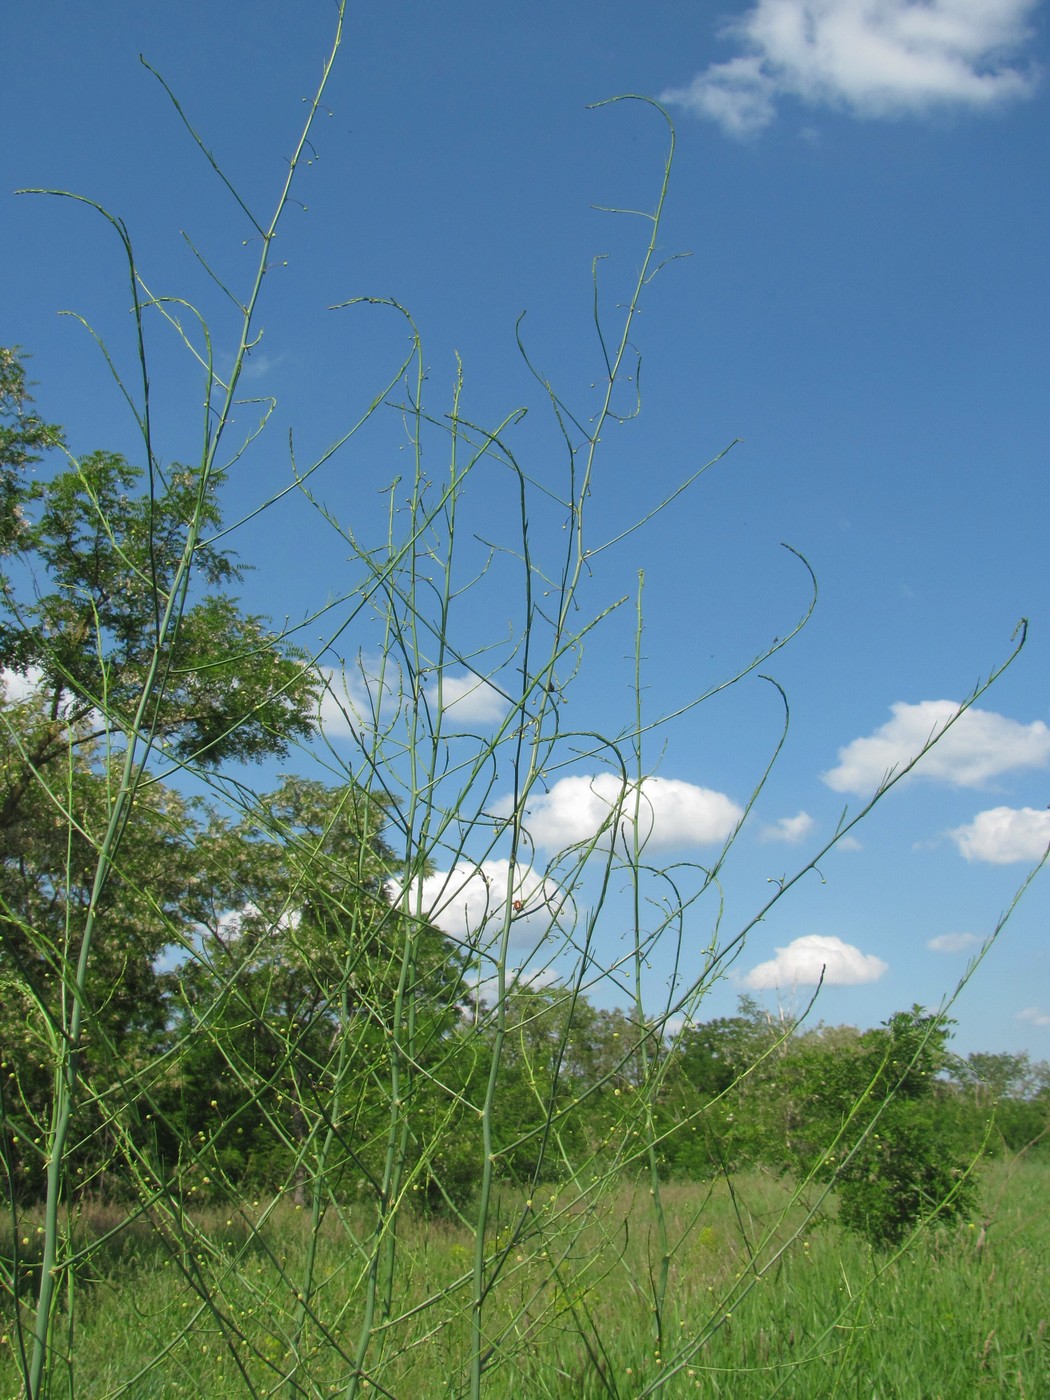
{"points": [[759, 1302]]}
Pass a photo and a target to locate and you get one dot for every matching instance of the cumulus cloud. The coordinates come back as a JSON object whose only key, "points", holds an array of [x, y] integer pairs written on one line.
{"points": [[670, 812], [790, 830], [468, 700], [356, 696], [954, 943], [234, 923], [739, 95], [1035, 1016], [875, 58], [979, 747], [804, 959], [469, 902], [18, 687], [1004, 834]]}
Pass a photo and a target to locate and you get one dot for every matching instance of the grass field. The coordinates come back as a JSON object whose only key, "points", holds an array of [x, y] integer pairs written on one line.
{"points": [[754, 1304]]}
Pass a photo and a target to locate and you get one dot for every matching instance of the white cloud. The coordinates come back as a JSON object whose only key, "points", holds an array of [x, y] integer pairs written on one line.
{"points": [[357, 695], [232, 924], [980, 746], [790, 830], [1035, 1015], [259, 365], [876, 58], [671, 812], [803, 960], [738, 95], [1004, 834], [469, 902], [18, 687], [468, 700], [953, 942]]}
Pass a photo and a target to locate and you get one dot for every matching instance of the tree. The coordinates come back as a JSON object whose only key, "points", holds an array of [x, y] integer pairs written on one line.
{"points": [[115, 627], [724, 1102], [305, 977], [48, 862], [24, 438], [881, 1125], [96, 601], [1011, 1093]]}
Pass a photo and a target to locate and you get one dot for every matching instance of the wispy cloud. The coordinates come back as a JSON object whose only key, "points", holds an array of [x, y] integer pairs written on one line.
{"points": [[953, 943], [1004, 834], [790, 830], [1035, 1016], [260, 365], [806, 959], [670, 812], [875, 58], [979, 747]]}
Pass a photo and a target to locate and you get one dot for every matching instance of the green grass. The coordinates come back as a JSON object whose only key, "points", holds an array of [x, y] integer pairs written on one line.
{"points": [[960, 1314]]}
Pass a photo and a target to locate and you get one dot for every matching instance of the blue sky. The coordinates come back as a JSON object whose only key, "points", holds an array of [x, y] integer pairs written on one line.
{"points": [[862, 186]]}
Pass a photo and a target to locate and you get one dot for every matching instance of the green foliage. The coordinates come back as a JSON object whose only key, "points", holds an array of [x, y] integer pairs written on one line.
{"points": [[48, 882], [1011, 1094], [95, 614], [24, 439], [99, 555], [875, 1118], [870, 1113], [300, 966], [721, 1105], [910, 1170], [956, 1316]]}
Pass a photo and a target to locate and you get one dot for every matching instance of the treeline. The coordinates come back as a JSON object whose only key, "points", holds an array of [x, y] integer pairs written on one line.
{"points": [[259, 1061]]}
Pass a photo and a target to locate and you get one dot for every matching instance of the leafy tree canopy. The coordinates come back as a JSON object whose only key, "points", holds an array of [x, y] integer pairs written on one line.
{"points": [[112, 576]]}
